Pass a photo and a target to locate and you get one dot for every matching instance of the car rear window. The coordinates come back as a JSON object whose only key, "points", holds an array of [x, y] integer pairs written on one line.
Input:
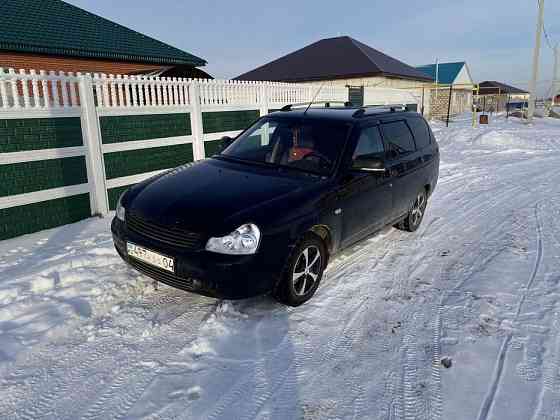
{"points": [[421, 132], [398, 137]]}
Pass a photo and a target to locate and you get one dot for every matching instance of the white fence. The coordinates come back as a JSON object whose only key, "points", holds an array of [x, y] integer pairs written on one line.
{"points": [[38, 90], [29, 95], [55, 90]]}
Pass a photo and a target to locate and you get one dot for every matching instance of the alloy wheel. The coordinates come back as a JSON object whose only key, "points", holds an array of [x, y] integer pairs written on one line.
{"points": [[306, 270], [418, 208]]}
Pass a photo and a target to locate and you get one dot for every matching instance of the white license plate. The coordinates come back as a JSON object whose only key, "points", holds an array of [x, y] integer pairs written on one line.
{"points": [[150, 257]]}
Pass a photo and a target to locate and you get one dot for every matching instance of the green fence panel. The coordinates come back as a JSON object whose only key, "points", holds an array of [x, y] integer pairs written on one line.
{"points": [[18, 135], [25, 177], [31, 218], [116, 129]]}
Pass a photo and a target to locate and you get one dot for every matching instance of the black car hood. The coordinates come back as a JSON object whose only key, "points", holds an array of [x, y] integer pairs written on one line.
{"points": [[211, 195]]}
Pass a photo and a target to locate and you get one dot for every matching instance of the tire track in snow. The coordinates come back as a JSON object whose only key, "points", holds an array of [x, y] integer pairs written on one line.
{"points": [[491, 395], [55, 386], [65, 374], [551, 381], [245, 386], [548, 405], [481, 208], [136, 376], [312, 358], [436, 402], [410, 378]]}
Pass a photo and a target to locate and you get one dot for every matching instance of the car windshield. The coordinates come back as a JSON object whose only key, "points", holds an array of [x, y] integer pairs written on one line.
{"points": [[307, 145]]}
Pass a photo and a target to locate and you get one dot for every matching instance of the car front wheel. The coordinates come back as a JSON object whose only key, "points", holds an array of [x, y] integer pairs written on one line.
{"points": [[303, 272]]}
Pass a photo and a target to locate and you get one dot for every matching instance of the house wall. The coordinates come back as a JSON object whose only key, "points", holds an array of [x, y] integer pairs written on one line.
{"points": [[461, 101], [464, 79], [414, 88], [67, 64]]}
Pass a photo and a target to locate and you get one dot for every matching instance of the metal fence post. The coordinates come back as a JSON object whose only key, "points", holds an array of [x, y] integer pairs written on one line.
{"points": [[449, 105], [91, 134], [197, 128]]}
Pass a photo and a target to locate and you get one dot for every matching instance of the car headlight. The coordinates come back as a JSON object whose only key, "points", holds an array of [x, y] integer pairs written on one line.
{"points": [[242, 241], [120, 210]]}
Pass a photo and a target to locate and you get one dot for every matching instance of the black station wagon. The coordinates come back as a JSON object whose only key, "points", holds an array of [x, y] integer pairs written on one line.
{"points": [[267, 213]]}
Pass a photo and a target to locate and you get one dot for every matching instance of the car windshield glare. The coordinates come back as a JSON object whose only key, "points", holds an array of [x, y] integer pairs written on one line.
{"points": [[307, 145]]}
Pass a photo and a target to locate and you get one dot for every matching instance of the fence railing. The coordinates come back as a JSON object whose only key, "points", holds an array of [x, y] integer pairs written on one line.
{"points": [[38, 90], [42, 90]]}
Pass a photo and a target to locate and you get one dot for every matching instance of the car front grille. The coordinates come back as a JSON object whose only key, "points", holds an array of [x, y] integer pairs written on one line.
{"points": [[162, 275], [172, 236]]}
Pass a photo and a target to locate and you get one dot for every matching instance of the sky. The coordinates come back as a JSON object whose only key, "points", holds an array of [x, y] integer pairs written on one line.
{"points": [[495, 37]]}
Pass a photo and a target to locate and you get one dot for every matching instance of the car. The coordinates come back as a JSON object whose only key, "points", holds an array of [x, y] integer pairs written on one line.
{"points": [[268, 212]]}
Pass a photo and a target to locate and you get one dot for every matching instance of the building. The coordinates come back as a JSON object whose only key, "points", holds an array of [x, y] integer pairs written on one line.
{"points": [[494, 96], [54, 35], [347, 62], [454, 78]]}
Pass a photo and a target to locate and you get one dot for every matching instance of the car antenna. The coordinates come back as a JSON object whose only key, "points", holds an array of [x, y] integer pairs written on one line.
{"points": [[314, 97]]}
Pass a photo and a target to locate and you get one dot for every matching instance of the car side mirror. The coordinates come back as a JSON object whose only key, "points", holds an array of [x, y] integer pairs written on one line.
{"points": [[225, 142], [368, 164]]}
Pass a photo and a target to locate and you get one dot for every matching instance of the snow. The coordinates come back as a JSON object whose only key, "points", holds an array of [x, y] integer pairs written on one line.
{"points": [[84, 336]]}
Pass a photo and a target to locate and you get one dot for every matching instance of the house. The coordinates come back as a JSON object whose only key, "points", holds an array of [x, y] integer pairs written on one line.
{"points": [[450, 77], [495, 96], [344, 61], [55, 35]]}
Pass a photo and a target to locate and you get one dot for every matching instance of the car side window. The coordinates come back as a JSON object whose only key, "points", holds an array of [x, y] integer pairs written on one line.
{"points": [[369, 144], [421, 132], [398, 138]]}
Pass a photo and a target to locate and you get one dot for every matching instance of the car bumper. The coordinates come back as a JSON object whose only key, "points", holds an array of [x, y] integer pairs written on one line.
{"points": [[203, 272]]}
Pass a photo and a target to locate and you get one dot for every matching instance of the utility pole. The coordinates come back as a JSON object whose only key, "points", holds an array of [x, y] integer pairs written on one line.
{"points": [[536, 53], [555, 75]]}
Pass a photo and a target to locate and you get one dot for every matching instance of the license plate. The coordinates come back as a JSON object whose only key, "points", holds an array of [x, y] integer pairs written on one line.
{"points": [[150, 257]]}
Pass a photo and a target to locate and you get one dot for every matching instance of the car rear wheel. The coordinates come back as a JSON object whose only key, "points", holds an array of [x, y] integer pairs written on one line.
{"points": [[416, 213], [303, 272]]}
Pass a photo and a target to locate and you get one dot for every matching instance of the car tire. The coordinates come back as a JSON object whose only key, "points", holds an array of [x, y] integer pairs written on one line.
{"points": [[415, 215], [303, 271]]}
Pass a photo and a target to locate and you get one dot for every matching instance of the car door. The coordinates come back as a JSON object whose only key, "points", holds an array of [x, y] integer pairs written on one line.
{"points": [[423, 139], [365, 198], [402, 160]]}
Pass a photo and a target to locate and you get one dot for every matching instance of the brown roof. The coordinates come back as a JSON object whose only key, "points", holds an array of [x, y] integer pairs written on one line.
{"points": [[333, 58]]}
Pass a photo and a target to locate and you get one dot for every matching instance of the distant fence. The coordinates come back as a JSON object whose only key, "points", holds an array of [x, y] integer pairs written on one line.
{"points": [[71, 143]]}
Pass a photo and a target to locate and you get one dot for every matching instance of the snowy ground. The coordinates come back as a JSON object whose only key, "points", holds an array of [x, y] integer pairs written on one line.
{"points": [[83, 336]]}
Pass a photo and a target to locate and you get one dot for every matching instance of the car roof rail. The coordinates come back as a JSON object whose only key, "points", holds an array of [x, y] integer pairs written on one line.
{"points": [[380, 108], [326, 104]]}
